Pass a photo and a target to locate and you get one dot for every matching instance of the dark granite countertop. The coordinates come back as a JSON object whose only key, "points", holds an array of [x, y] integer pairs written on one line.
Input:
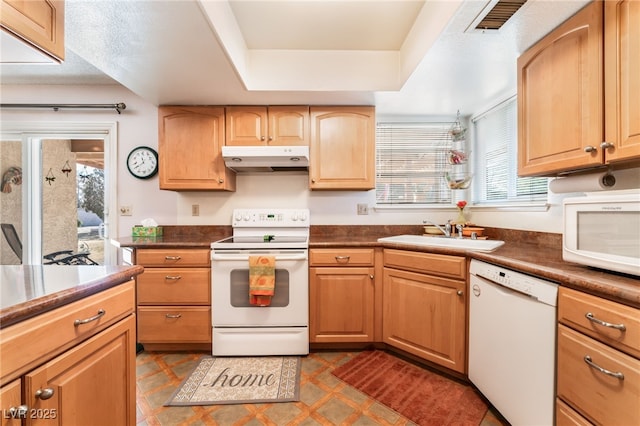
{"points": [[534, 253], [30, 290]]}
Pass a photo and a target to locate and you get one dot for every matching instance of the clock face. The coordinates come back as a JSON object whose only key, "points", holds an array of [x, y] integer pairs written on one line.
{"points": [[142, 162]]}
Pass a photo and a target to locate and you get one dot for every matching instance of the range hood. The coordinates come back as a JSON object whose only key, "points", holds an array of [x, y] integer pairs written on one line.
{"points": [[266, 158]]}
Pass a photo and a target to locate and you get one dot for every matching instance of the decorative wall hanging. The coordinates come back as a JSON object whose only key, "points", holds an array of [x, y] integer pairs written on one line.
{"points": [[12, 176], [66, 169], [84, 174], [50, 177]]}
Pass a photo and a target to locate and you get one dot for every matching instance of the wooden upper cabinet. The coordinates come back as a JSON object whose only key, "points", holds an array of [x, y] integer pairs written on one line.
{"points": [[560, 97], [189, 149], [261, 125], [342, 148], [38, 22], [622, 80], [579, 92]]}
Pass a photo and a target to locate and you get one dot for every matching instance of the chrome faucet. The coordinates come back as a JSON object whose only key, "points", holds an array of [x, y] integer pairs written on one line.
{"points": [[459, 229], [447, 227]]}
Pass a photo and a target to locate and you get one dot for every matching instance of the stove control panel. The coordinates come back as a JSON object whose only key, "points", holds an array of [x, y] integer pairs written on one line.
{"points": [[258, 218]]}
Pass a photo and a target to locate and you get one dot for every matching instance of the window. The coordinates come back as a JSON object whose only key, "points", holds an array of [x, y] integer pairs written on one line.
{"points": [[411, 162], [495, 150]]}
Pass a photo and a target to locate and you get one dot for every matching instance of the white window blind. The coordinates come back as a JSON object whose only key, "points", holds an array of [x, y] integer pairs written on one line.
{"points": [[411, 160], [496, 178]]}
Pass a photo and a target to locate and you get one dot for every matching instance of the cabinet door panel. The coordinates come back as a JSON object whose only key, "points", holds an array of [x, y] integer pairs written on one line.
{"points": [[246, 126], [342, 304], [560, 97], [342, 148], [10, 400], [288, 125], [39, 22], [425, 316], [102, 369], [190, 141], [622, 79]]}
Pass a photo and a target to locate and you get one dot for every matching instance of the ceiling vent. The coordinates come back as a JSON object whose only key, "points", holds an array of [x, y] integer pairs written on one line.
{"points": [[495, 14]]}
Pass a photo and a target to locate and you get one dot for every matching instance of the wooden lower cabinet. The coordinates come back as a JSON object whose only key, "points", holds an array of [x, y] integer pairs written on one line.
{"points": [[57, 371], [424, 314], [342, 295], [598, 365], [174, 298], [342, 308], [94, 379]]}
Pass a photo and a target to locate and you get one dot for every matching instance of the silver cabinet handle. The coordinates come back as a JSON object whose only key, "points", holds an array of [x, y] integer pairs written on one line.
{"points": [[591, 318], [172, 258], [100, 314], [172, 277], [343, 259], [592, 364], [590, 148], [45, 393], [173, 315], [460, 292], [370, 276], [220, 180], [605, 145]]}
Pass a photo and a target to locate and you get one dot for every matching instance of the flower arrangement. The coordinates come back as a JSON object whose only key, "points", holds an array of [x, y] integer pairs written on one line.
{"points": [[461, 219]]}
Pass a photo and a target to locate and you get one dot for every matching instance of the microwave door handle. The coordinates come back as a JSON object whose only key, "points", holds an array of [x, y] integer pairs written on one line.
{"points": [[217, 256]]}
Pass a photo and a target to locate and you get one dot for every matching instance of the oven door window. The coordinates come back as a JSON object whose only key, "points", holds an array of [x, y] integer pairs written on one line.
{"points": [[240, 289]]}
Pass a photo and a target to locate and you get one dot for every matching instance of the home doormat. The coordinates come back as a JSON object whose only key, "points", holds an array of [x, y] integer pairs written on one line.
{"points": [[240, 380], [422, 396]]}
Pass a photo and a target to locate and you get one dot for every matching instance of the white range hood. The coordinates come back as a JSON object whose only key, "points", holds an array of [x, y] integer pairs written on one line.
{"points": [[266, 158]]}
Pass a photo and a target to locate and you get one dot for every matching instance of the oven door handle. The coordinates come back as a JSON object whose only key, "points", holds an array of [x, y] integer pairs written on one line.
{"points": [[245, 257]]}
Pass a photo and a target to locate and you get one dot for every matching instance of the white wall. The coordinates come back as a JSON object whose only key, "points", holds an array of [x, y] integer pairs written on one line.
{"points": [[137, 125]]}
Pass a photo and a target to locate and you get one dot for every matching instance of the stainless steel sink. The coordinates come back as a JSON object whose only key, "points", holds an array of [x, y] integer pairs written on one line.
{"points": [[457, 243]]}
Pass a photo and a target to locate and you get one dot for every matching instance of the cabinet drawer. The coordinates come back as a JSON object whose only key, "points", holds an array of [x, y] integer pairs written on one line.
{"points": [[341, 257], [174, 324], [435, 264], [37, 339], [600, 397], [574, 308], [181, 286], [173, 257]]}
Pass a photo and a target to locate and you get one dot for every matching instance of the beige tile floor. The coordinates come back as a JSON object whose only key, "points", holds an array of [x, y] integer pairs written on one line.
{"points": [[324, 399]]}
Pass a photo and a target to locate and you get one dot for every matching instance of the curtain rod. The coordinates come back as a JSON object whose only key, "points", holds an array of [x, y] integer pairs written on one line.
{"points": [[118, 107]]}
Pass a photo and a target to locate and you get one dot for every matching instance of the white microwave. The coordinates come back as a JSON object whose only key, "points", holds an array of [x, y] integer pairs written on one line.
{"points": [[603, 231]]}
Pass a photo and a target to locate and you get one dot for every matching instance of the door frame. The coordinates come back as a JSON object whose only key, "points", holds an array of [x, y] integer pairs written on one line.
{"points": [[28, 132]]}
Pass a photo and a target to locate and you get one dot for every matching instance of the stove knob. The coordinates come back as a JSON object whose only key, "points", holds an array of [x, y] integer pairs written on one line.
{"points": [[246, 217], [294, 217], [303, 217], [238, 217]]}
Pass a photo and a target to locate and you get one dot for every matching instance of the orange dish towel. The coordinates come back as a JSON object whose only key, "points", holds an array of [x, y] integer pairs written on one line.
{"points": [[262, 279]]}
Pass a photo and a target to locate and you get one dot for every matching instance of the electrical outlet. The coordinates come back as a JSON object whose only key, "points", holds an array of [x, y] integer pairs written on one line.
{"points": [[195, 209], [363, 209], [126, 210]]}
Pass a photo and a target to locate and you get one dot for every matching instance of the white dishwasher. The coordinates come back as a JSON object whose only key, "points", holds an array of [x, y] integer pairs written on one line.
{"points": [[512, 342]]}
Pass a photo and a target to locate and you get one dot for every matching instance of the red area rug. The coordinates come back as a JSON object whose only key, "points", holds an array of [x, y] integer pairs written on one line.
{"points": [[422, 396]]}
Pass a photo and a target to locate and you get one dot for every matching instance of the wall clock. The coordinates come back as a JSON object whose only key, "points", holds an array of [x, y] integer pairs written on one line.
{"points": [[142, 162]]}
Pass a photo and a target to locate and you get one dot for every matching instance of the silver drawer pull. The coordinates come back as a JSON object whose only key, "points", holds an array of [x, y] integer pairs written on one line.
{"points": [[592, 364], [343, 259], [591, 318], [99, 315], [173, 315], [172, 258], [172, 277], [45, 393]]}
